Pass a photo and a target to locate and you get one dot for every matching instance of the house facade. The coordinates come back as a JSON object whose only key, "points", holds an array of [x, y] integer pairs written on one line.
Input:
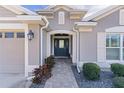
{"points": [[27, 38]]}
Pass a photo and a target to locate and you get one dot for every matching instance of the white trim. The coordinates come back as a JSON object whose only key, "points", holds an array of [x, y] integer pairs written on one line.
{"points": [[85, 23], [19, 9], [121, 47], [103, 13], [12, 26], [23, 18], [61, 17], [25, 10], [26, 50], [121, 17], [116, 29], [101, 47], [78, 48]]}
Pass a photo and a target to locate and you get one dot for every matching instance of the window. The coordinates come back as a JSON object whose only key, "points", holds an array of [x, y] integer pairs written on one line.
{"points": [[9, 35], [20, 35], [123, 47], [61, 17], [61, 43], [113, 47], [0, 34]]}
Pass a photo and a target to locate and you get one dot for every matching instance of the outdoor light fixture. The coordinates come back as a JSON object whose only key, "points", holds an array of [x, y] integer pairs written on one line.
{"points": [[30, 35]]}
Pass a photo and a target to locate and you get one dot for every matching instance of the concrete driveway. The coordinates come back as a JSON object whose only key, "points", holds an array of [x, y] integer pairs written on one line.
{"points": [[12, 81]]}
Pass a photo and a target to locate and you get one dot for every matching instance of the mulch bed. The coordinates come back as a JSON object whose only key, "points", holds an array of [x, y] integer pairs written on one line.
{"points": [[105, 80]]}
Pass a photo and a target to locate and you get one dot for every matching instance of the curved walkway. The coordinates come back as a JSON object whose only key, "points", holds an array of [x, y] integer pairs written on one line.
{"points": [[62, 75]]}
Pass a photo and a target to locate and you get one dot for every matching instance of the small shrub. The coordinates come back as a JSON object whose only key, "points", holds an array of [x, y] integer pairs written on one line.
{"points": [[41, 74], [118, 82], [50, 61], [91, 71], [117, 69]]}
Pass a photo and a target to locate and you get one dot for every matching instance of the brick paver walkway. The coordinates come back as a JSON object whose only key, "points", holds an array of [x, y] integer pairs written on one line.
{"points": [[62, 75]]}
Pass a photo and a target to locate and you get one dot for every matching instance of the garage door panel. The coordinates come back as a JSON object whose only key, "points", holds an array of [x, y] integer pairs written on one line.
{"points": [[11, 68], [12, 55]]}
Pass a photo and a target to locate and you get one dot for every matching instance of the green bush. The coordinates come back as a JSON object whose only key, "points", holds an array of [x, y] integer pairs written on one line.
{"points": [[91, 71], [118, 82], [43, 72], [117, 69], [50, 61]]}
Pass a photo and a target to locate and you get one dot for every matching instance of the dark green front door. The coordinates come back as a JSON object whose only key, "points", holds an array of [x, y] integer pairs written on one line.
{"points": [[61, 47]]}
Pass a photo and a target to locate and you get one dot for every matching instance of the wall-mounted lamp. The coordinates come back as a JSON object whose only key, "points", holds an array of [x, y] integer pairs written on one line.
{"points": [[30, 35]]}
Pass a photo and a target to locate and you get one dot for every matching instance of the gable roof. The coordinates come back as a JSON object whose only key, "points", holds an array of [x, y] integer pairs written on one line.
{"points": [[102, 13], [19, 10], [66, 7]]}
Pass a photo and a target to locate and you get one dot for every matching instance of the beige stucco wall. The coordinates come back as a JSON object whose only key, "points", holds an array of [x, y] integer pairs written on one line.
{"points": [[44, 45], [53, 23], [88, 40], [34, 45], [5, 12]]}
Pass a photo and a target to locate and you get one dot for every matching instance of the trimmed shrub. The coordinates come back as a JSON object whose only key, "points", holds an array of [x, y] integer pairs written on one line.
{"points": [[43, 72], [91, 71], [117, 69], [50, 61], [118, 82]]}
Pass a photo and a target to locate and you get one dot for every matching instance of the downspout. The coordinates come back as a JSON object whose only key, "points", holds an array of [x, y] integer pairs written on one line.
{"points": [[41, 34], [78, 44]]}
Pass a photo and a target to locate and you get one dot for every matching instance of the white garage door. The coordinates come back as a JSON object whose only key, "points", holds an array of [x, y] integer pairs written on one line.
{"points": [[12, 52]]}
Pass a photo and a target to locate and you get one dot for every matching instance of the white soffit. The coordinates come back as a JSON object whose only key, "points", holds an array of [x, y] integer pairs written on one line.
{"points": [[19, 9], [103, 12], [25, 19]]}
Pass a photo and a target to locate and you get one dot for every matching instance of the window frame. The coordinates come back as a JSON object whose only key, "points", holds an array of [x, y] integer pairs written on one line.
{"points": [[20, 33], [1, 35], [9, 33], [61, 17], [120, 48]]}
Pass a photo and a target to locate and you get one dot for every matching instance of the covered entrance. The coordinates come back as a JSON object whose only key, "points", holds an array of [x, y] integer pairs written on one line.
{"points": [[61, 46]]}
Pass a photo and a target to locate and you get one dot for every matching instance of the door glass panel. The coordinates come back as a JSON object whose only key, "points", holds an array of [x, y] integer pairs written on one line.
{"points": [[61, 43], [55, 43]]}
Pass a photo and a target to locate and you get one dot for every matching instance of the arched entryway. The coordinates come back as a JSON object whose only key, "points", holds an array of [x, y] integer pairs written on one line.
{"points": [[62, 43]]}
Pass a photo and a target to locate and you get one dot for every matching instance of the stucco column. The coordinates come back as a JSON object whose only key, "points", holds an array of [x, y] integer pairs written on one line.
{"points": [[48, 45], [74, 59], [26, 50]]}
